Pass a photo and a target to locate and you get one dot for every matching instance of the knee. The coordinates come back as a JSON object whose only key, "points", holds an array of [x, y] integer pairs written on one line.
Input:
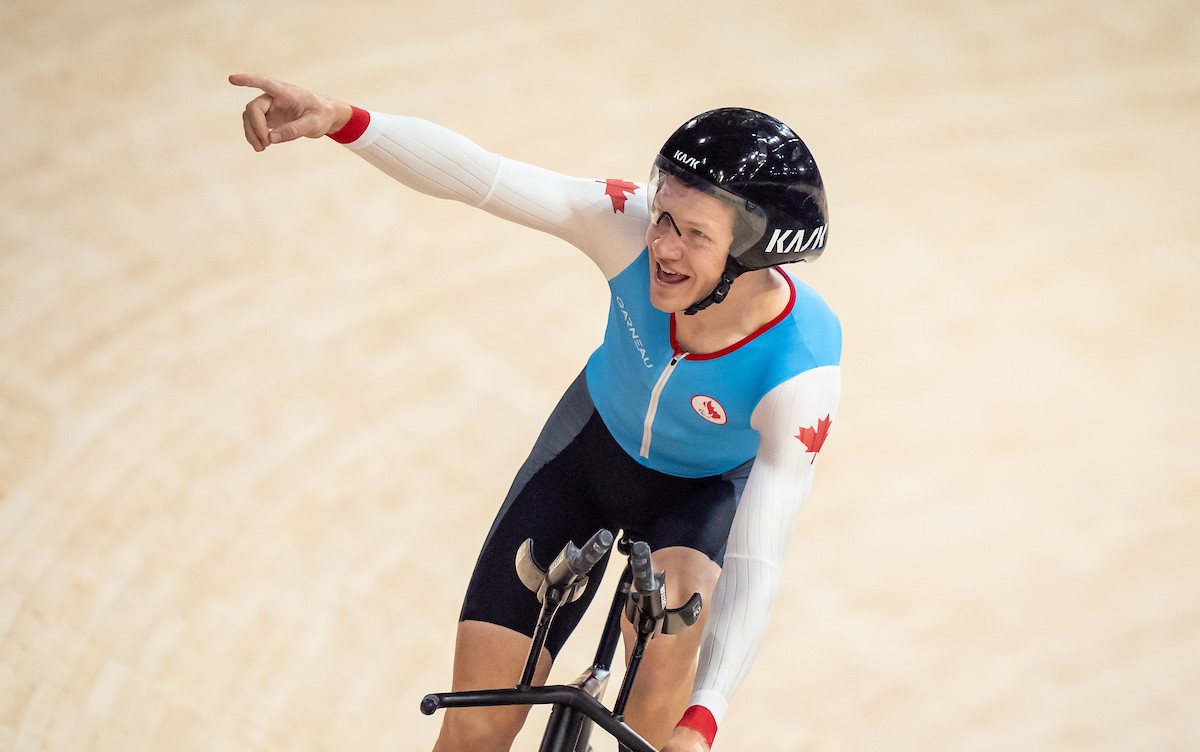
{"points": [[479, 729]]}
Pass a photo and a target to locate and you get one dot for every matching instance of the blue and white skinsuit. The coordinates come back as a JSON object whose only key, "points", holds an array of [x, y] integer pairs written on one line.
{"points": [[751, 417]]}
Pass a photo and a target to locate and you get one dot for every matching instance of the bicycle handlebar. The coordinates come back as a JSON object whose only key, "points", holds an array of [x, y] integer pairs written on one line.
{"points": [[644, 578], [643, 592], [581, 560], [572, 565], [647, 607]]}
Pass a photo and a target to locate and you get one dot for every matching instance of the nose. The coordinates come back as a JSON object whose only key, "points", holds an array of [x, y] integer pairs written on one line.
{"points": [[665, 242], [667, 247]]}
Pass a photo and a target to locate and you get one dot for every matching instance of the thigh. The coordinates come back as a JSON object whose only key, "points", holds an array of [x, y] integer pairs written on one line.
{"points": [[697, 515], [673, 659], [687, 537], [550, 509], [668, 670], [487, 656]]}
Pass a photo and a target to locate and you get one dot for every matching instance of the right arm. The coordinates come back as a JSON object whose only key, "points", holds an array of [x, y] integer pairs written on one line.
{"points": [[606, 221]]}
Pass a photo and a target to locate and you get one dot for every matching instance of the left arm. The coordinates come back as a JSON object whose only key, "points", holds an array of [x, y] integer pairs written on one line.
{"points": [[792, 420]]}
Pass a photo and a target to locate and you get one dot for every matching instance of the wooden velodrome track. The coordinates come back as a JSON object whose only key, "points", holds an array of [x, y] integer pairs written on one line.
{"points": [[256, 411]]}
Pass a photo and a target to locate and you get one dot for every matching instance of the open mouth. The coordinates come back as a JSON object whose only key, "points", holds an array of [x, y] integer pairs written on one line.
{"points": [[668, 278]]}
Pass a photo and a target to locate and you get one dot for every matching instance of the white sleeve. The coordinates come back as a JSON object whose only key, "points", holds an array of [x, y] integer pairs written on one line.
{"points": [[605, 219], [792, 420]]}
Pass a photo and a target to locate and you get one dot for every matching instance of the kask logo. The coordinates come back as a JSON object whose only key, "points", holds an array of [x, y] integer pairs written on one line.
{"points": [[780, 242], [684, 159], [709, 409]]}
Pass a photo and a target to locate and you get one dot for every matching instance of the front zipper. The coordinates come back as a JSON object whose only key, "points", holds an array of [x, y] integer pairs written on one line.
{"points": [[647, 427]]}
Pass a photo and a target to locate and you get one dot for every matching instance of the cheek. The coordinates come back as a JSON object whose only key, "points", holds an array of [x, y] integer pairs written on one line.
{"points": [[713, 262]]}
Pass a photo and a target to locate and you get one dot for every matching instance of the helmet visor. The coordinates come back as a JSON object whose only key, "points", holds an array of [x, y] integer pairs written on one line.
{"points": [[749, 219]]}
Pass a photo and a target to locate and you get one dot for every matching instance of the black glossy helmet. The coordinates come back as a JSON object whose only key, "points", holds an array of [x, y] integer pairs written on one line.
{"points": [[762, 169]]}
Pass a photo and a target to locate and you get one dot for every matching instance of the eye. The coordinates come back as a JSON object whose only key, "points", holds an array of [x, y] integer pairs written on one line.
{"points": [[667, 216]]}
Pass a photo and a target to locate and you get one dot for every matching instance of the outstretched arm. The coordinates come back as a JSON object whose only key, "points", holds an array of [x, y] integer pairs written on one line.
{"points": [[606, 219]]}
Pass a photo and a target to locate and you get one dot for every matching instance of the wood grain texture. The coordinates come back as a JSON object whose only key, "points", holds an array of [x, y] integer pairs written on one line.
{"points": [[257, 411]]}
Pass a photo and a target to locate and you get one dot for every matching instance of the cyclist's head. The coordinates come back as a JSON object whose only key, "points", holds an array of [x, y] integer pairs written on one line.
{"points": [[764, 173]]}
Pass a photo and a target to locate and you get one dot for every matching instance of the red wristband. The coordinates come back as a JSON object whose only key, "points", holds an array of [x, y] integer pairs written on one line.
{"points": [[699, 718], [354, 127]]}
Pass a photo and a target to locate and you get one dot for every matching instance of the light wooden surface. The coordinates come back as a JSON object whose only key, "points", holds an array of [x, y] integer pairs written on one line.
{"points": [[257, 411]]}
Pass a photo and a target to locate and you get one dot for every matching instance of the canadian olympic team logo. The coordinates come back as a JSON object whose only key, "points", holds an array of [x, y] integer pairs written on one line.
{"points": [[709, 409]]}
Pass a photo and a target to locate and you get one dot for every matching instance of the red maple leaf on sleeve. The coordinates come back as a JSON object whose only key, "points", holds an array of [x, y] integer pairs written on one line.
{"points": [[616, 190], [813, 437]]}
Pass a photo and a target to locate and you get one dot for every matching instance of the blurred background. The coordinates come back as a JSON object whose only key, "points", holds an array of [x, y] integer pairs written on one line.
{"points": [[257, 410]]}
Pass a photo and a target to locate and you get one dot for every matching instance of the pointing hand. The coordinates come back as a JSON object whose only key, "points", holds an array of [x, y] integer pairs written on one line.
{"points": [[284, 112]]}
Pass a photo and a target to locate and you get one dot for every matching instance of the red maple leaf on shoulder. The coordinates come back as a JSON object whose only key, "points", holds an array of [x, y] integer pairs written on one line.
{"points": [[813, 437], [616, 190]]}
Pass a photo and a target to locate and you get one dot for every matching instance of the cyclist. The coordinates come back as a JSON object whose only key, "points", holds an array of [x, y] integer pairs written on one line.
{"points": [[696, 422]]}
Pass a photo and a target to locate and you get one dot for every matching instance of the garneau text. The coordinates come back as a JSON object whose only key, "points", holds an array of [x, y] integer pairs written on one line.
{"points": [[637, 341]]}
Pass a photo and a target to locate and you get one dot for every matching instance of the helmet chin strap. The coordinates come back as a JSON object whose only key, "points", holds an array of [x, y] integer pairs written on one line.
{"points": [[732, 271]]}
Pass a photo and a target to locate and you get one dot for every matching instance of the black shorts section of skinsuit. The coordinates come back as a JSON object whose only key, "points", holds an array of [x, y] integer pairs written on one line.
{"points": [[577, 480]]}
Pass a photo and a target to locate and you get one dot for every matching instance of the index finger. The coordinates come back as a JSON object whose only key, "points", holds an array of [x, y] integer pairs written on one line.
{"points": [[258, 81]]}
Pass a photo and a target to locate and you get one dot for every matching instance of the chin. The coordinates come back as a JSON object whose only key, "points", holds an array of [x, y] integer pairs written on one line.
{"points": [[669, 303]]}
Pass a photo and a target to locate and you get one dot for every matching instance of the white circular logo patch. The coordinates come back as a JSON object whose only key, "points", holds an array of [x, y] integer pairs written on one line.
{"points": [[709, 409]]}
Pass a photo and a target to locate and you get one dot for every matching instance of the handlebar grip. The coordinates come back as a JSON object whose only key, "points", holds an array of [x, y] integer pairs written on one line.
{"points": [[643, 569], [582, 560], [430, 704]]}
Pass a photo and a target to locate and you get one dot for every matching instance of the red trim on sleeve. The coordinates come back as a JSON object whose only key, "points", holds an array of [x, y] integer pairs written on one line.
{"points": [[700, 718], [354, 127]]}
